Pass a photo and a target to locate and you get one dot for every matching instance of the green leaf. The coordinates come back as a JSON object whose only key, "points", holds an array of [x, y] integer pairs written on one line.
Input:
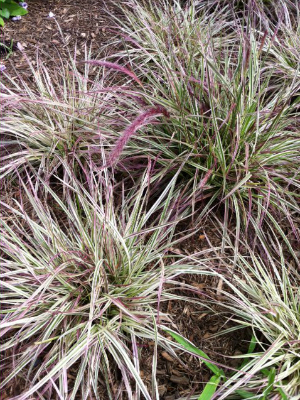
{"points": [[15, 9], [4, 13], [251, 348], [190, 347], [210, 388], [252, 345], [272, 374], [283, 395], [265, 371], [1, 21], [244, 394]]}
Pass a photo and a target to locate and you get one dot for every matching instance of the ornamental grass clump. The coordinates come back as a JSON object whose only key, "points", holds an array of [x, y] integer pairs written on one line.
{"points": [[62, 114], [264, 296], [281, 49], [70, 115], [233, 107], [263, 13], [82, 281], [261, 295]]}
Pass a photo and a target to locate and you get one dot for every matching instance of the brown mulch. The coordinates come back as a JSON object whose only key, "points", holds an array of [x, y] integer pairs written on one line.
{"points": [[82, 22], [85, 22]]}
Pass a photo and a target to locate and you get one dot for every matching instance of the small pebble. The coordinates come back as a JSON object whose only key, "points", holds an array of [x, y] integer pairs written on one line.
{"points": [[20, 46]]}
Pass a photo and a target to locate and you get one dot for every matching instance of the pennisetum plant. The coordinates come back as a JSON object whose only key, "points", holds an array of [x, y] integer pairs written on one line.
{"points": [[260, 294], [264, 296], [83, 280], [63, 112], [231, 122]]}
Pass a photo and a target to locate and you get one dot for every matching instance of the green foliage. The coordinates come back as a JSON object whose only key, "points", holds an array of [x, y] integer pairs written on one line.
{"points": [[9, 8], [8, 49], [210, 388], [191, 348], [212, 385]]}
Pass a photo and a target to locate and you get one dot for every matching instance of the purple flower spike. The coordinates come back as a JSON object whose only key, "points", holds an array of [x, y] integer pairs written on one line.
{"points": [[141, 120], [17, 18], [2, 67], [23, 4]]}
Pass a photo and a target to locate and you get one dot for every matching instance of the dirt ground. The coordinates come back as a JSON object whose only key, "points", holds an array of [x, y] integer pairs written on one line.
{"points": [[81, 21], [87, 22]]}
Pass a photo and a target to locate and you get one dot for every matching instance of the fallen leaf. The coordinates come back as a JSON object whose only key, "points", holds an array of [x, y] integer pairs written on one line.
{"points": [[167, 356]]}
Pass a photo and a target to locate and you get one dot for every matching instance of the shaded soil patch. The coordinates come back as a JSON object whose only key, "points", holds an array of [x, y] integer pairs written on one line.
{"points": [[181, 379]]}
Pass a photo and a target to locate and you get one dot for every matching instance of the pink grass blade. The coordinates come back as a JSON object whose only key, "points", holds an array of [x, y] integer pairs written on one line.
{"points": [[116, 67]]}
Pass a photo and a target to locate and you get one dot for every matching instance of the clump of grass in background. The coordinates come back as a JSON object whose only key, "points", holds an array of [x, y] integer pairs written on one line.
{"points": [[60, 117], [47, 121], [69, 115], [265, 296], [82, 287], [263, 14], [232, 125], [281, 49]]}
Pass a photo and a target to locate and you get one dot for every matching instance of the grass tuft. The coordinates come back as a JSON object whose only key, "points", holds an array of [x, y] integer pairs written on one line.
{"points": [[82, 284], [233, 103]]}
